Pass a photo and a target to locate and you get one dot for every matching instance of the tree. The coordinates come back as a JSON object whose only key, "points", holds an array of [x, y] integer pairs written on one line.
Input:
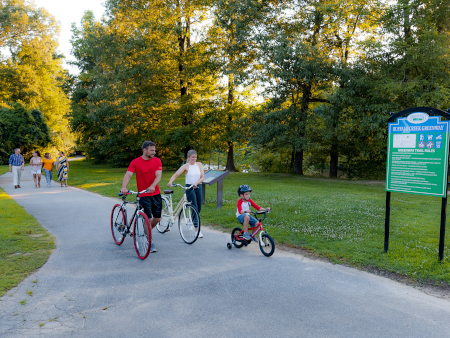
{"points": [[21, 127], [138, 83], [297, 70], [233, 37], [31, 72]]}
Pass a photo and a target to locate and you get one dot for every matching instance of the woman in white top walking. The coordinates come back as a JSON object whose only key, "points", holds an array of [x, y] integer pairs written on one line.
{"points": [[36, 166], [194, 176]]}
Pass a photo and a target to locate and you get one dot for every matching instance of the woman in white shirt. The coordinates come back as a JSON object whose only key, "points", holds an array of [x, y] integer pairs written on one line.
{"points": [[36, 166], [194, 176]]}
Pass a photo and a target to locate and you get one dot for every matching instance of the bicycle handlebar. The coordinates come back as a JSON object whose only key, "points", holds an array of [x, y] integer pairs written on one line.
{"points": [[185, 188], [262, 212], [131, 192]]}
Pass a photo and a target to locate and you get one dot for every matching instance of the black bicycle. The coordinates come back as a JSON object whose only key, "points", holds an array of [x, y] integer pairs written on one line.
{"points": [[120, 228]]}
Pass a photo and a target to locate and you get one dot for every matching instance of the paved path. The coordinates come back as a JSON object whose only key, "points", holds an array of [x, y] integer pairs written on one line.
{"points": [[91, 287]]}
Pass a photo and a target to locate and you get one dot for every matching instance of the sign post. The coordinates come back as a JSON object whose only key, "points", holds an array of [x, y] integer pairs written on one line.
{"points": [[417, 162], [211, 177]]}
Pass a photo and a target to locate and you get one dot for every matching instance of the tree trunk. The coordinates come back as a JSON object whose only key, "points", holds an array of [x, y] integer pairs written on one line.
{"points": [[298, 162], [334, 155], [230, 158]]}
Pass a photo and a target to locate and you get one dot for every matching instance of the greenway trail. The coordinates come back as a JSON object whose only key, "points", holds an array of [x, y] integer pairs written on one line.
{"points": [[91, 287]]}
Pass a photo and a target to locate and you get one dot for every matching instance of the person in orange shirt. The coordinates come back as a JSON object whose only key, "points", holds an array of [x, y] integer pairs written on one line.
{"points": [[47, 164]]}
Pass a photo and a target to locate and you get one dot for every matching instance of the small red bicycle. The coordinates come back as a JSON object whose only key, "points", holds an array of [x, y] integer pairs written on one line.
{"points": [[266, 243]]}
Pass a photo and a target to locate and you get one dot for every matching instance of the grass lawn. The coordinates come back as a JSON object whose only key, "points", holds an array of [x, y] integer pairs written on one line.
{"points": [[24, 244], [338, 219]]}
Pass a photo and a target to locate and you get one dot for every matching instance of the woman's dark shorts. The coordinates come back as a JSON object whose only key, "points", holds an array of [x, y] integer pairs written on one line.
{"points": [[152, 206]]}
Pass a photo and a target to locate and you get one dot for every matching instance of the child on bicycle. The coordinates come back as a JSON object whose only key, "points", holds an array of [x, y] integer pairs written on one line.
{"points": [[243, 210]]}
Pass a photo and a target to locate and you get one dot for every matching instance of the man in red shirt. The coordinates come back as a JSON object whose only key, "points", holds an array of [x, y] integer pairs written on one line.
{"points": [[148, 170]]}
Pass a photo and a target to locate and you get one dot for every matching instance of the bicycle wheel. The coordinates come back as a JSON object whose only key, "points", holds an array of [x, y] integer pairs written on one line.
{"points": [[267, 245], [163, 224], [142, 241], [234, 233], [118, 223], [189, 224]]}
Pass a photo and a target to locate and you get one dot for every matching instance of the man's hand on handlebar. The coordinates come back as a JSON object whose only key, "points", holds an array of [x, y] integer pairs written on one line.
{"points": [[124, 191]]}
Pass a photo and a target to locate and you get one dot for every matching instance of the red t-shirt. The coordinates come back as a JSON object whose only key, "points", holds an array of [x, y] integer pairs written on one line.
{"points": [[145, 173]]}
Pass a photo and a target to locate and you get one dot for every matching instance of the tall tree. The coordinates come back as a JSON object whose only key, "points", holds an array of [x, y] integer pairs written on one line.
{"points": [[233, 35], [31, 70], [20, 127], [138, 82]]}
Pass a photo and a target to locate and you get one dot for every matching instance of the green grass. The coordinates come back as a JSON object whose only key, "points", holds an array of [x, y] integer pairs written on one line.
{"points": [[24, 244], [338, 219]]}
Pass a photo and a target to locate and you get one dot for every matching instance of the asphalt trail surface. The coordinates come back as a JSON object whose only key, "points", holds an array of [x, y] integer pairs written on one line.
{"points": [[90, 287]]}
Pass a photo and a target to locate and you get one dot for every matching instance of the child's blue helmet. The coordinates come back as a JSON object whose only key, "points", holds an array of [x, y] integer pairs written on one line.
{"points": [[243, 188]]}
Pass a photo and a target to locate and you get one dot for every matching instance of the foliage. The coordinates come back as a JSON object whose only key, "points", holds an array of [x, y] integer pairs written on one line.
{"points": [[30, 68], [142, 84], [20, 127], [327, 73]]}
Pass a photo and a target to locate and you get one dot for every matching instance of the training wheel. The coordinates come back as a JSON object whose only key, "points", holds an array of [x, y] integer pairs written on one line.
{"points": [[229, 246]]}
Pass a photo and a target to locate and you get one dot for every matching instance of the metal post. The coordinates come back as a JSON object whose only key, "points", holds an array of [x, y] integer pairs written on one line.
{"points": [[442, 232], [203, 193], [219, 194], [386, 221]]}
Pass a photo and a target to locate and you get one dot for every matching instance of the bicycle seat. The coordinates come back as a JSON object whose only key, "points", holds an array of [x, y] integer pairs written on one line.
{"points": [[168, 192]]}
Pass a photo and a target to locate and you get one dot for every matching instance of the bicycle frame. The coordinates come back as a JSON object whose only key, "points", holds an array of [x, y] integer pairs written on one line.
{"points": [[260, 231], [259, 226], [124, 208], [174, 213]]}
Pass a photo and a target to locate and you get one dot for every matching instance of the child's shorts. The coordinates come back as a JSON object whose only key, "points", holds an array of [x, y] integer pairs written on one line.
{"points": [[252, 221]]}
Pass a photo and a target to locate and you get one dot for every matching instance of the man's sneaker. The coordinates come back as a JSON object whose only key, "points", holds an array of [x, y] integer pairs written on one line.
{"points": [[255, 239], [200, 235], [153, 247], [247, 236]]}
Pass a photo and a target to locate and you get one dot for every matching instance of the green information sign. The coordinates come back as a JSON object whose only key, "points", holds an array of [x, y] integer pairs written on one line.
{"points": [[418, 155]]}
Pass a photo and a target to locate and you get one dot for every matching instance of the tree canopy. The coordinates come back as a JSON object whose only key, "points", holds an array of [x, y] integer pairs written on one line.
{"points": [[31, 72]]}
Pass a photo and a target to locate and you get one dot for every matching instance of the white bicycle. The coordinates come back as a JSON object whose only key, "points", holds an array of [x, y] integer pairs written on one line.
{"points": [[188, 217]]}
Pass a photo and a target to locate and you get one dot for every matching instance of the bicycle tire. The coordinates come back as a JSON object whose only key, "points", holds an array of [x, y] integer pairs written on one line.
{"points": [[267, 246], [142, 241], [164, 223], [189, 224], [118, 224], [236, 243]]}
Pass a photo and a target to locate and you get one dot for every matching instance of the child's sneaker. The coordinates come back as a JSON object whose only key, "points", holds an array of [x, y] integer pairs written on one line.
{"points": [[255, 239], [200, 235], [153, 247], [246, 236]]}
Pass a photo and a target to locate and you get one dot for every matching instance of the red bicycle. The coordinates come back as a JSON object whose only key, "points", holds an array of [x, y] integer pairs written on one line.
{"points": [[266, 243], [120, 228]]}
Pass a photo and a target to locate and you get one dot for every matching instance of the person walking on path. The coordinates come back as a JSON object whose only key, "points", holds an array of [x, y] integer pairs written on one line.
{"points": [[16, 164], [36, 167], [62, 166], [47, 165], [148, 170], [194, 176]]}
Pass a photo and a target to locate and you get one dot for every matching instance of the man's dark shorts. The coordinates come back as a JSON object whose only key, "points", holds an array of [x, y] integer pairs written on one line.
{"points": [[152, 206]]}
